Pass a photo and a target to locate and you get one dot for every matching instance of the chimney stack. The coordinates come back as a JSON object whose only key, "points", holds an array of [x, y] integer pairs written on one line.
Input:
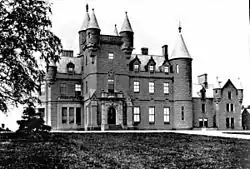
{"points": [[144, 51], [165, 51]]}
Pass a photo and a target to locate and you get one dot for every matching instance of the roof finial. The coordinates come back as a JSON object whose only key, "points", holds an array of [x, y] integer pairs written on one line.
{"points": [[126, 12], [87, 8], [179, 27]]}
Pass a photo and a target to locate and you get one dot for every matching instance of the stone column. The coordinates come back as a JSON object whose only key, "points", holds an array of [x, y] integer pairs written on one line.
{"points": [[93, 114], [129, 114], [104, 125], [119, 114]]}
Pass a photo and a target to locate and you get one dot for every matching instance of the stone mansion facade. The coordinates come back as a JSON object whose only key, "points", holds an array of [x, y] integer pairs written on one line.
{"points": [[107, 87]]}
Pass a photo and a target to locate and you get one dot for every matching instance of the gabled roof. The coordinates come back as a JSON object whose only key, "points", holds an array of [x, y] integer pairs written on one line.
{"points": [[86, 20], [93, 21], [64, 61], [180, 49], [126, 26], [228, 82]]}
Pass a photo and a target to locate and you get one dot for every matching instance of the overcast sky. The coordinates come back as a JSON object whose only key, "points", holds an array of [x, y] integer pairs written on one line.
{"points": [[216, 32]]}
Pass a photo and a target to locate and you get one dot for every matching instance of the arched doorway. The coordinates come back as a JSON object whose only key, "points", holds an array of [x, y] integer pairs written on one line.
{"points": [[111, 115]]}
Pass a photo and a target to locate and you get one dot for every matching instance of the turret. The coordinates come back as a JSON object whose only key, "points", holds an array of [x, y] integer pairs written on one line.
{"points": [[82, 31], [127, 35], [181, 63], [93, 33]]}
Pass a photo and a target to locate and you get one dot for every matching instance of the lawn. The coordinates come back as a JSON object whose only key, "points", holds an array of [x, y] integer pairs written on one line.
{"points": [[126, 150]]}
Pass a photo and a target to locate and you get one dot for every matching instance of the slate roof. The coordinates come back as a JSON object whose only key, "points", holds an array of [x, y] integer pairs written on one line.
{"points": [[180, 49], [85, 21], [93, 21], [126, 26], [144, 59], [62, 65]]}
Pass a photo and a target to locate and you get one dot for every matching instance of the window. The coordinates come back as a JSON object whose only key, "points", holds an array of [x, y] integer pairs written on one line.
{"points": [[43, 89], [166, 88], [151, 68], [227, 122], [64, 115], [232, 107], [63, 89], [151, 87], [177, 69], [166, 115], [136, 86], [70, 67], [111, 56], [232, 123], [215, 91], [182, 112], [205, 122], [136, 114], [111, 85], [71, 115], [203, 108], [166, 69], [151, 115], [78, 115], [229, 95], [78, 89], [86, 60], [136, 67], [227, 107], [42, 112], [86, 87]]}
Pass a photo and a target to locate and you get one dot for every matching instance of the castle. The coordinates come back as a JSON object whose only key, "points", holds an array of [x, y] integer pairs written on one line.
{"points": [[107, 87]]}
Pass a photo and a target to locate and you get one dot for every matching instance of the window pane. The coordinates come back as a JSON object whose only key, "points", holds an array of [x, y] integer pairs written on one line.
{"points": [[64, 114], [136, 114], [136, 86], [111, 55], [232, 107], [227, 122], [151, 87], [63, 89], [229, 95], [166, 115], [136, 67], [177, 69], [166, 69], [151, 115], [166, 88], [78, 115], [71, 115], [110, 85], [182, 113], [151, 68], [203, 107]]}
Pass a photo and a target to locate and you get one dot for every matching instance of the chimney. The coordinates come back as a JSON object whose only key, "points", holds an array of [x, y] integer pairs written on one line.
{"points": [[68, 53], [202, 80], [165, 51], [144, 51]]}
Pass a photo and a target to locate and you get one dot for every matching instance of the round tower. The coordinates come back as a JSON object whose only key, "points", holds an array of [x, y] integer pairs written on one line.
{"points": [[93, 33], [82, 31], [127, 35], [181, 63]]}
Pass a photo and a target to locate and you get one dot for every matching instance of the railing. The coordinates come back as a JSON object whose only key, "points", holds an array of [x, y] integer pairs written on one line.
{"points": [[112, 95]]}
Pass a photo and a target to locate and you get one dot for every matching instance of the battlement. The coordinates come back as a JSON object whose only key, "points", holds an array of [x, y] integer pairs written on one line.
{"points": [[109, 39]]}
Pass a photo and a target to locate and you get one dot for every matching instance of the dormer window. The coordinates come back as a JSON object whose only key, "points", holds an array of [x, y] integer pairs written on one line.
{"points": [[166, 70], [70, 67], [136, 67], [151, 68]]}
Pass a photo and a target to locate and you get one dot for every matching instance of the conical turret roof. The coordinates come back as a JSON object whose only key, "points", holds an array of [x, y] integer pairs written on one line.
{"points": [[115, 31], [93, 21], [180, 49], [86, 20], [126, 26]]}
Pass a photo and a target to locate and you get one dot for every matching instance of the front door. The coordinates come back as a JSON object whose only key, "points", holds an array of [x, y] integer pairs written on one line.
{"points": [[111, 115]]}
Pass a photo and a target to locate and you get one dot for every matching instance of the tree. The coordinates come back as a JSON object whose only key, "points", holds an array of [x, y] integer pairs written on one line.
{"points": [[32, 122], [25, 37]]}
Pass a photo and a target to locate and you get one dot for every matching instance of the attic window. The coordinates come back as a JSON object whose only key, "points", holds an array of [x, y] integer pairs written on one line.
{"points": [[151, 68], [70, 67], [136, 67], [166, 69]]}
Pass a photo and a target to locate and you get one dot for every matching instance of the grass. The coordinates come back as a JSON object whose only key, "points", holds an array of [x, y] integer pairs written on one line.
{"points": [[125, 150]]}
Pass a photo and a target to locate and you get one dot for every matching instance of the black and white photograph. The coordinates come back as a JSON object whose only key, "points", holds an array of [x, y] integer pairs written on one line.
{"points": [[124, 84]]}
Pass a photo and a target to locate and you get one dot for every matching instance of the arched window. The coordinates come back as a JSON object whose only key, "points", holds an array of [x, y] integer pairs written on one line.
{"points": [[70, 67]]}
